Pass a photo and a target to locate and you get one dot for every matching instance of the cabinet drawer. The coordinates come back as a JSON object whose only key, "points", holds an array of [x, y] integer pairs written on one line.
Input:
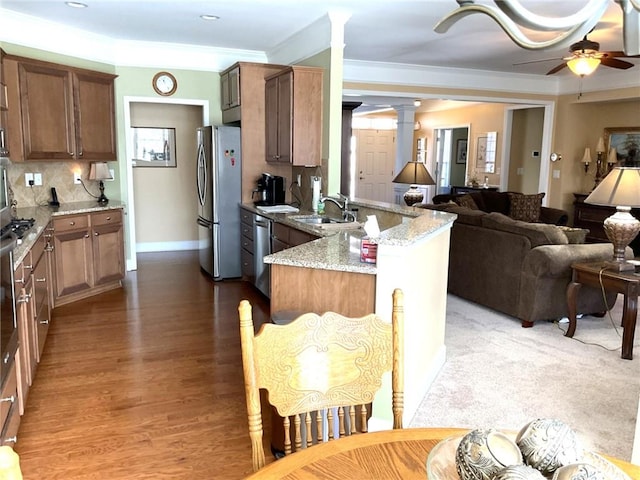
{"points": [[246, 216], [10, 431], [298, 237], [70, 222], [38, 249], [9, 395], [247, 231], [248, 268], [106, 218], [247, 244], [42, 329]]}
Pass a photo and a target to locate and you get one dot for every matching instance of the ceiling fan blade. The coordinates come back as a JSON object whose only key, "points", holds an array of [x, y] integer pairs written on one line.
{"points": [[538, 61], [556, 69], [615, 63], [619, 53]]}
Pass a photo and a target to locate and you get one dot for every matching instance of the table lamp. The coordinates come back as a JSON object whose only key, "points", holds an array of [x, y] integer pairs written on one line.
{"points": [[620, 188], [414, 173], [100, 171]]}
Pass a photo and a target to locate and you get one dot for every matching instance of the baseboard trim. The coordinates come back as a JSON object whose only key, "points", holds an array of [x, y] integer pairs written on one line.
{"points": [[144, 247]]}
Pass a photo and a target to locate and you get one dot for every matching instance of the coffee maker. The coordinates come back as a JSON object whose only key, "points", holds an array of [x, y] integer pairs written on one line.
{"points": [[270, 190]]}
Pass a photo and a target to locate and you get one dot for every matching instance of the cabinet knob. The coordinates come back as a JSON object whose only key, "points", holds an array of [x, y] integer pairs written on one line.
{"points": [[44, 322], [6, 358], [86, 236], [72, 223], [96, 233], [10, 399], [108, 218], [41, 280], [13, 439], [28, 267]]}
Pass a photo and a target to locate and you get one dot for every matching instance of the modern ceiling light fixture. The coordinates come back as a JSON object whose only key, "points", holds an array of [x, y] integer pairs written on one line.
{"points": [[76, 4], [511, 16], [209, 17]]}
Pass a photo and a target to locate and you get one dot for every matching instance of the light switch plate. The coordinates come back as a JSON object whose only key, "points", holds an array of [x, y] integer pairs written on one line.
{"points": [[37, 179]]}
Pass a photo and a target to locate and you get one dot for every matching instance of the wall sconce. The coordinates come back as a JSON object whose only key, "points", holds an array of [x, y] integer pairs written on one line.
{"points": [[612, 159], [586, 159]]}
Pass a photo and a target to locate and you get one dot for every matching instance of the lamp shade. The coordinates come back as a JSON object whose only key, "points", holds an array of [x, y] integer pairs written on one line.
{"points": [[583, 65], [414, 173], [600, 145], [99, 171], [621, 187], [586, 158], [613, 156]]}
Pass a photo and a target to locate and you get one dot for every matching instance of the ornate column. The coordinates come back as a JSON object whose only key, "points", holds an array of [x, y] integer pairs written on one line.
{"points": [[404, 145]]}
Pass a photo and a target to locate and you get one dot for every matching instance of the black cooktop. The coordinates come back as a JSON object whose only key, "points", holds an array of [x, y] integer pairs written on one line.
{"points": [[19, 226]]}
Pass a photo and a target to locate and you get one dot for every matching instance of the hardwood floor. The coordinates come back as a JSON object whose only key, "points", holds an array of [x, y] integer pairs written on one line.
{"points": [[143, 382]]}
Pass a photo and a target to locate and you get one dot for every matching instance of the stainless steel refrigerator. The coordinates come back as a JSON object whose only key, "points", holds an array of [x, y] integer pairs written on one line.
{"points": [[219, 185]]}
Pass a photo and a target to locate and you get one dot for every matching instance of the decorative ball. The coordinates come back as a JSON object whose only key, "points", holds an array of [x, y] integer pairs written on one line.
{"points": [[482, 453], [549, 444], [579, 471], [519, 472]]}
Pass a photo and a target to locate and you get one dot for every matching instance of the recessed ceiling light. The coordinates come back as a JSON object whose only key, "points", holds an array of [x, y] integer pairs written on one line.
{"points": [[76, 4], [209, 17]]}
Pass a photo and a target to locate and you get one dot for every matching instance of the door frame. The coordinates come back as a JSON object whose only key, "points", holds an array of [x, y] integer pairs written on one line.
{"points": [[130, 231], [434, 166]]}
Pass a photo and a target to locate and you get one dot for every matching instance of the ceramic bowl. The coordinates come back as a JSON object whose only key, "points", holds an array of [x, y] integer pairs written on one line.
{"points": [[519, 472], [482, 453], [548, 444]]}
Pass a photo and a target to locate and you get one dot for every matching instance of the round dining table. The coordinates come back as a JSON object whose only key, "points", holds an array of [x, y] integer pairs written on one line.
{"points": [[391, 454]]}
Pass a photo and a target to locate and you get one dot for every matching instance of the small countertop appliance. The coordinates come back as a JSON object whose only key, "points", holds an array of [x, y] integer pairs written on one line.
{"points": [[270, 190]]}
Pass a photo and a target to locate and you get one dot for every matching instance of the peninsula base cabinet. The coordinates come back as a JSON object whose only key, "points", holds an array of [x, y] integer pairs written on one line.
{"points": [[89, 254]]}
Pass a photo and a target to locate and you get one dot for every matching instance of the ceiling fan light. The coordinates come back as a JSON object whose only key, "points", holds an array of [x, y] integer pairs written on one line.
{"points": [[583, 65]]}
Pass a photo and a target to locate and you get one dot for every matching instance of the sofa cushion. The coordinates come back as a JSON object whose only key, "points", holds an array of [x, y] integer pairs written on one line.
{"points": [[525, 207], [494, 201], [465, 215], [537, 233], [575, 235], [467, 201]]}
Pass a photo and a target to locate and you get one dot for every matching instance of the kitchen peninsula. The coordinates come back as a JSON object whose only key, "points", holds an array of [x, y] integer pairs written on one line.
{"points": [[326, 274]]}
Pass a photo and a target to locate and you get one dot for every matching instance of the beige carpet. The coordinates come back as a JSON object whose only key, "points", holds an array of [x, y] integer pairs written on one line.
{"points": [[500, 375]]}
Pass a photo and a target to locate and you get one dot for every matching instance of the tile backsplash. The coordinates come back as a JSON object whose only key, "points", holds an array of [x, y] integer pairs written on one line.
{"points": [[54, 174]]}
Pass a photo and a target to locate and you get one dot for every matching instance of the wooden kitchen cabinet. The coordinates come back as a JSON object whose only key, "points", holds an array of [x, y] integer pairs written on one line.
{"points": [[4, 105], [9, 407], [89, 254], [26, 356], [293, 116], [284, 237], [230, 94], [61, 113], [246, 241]]}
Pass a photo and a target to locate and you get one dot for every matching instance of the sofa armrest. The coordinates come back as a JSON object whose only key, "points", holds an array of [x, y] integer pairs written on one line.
{"points": [[556, 260], [554, 216]]}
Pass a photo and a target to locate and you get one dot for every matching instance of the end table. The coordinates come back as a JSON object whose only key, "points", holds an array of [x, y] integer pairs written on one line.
{"points": [[595, 275]]}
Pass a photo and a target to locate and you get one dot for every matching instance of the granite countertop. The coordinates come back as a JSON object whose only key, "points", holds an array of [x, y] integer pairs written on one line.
{"points": [[43, 214], [339, 249]]}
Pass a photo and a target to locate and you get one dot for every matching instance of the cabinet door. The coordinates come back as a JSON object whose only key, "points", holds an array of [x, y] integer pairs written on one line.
{"points": [[108, 253], [271, 119], [230, 88], [95, 118], [74, 260], [47, 112], [285, 116], [42, 310]]}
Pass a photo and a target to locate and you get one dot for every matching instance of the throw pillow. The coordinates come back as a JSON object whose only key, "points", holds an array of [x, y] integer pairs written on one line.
{"points": [[575, 235], [467, 201], [525, 207]]}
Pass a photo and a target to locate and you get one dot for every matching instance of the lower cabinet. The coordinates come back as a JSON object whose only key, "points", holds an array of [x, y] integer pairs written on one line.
{"points": [[9, 407], [284, 237], [246, 241], [89, 254], [26, 354]]}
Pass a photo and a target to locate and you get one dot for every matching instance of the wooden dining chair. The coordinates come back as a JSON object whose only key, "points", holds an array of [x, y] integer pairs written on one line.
{"points": [[321, 373]]}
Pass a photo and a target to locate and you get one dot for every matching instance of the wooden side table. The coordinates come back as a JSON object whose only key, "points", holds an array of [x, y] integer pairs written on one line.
{"points": [[595, 275]]}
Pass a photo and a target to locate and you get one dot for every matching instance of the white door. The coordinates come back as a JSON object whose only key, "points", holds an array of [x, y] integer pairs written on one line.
{"points": [[375, 155]]}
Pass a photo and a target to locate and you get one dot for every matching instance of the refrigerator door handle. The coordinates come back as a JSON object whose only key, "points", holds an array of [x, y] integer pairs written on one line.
{"points": [[201, 175]]}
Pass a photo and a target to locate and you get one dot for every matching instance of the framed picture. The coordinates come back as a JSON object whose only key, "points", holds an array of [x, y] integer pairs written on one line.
{"points": [[461, 151], [486, 152], [626, 141], [154, 147]]}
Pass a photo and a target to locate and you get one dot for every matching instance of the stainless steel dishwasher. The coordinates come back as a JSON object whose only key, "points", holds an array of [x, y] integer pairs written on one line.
{"points": [[261, 248]]}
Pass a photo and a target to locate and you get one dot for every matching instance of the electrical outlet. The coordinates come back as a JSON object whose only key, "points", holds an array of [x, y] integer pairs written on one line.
{"points": [[76, 178], [28, 179], [37, 179]]}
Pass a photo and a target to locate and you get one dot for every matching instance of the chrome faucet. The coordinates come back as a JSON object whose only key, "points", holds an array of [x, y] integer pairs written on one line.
{"points": [[347, 214]]}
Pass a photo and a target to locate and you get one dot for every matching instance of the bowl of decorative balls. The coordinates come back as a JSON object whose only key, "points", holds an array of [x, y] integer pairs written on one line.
{"points": [[544, 449]]}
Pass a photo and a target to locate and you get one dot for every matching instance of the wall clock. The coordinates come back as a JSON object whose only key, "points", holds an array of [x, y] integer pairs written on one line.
{"points": [[164, 83]]}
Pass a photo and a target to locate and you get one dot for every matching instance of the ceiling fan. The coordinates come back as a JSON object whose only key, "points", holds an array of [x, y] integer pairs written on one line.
{"points": [[586, 56]]}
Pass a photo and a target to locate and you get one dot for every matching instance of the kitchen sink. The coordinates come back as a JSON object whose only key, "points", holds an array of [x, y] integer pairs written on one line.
{"points": [[323, 221]]}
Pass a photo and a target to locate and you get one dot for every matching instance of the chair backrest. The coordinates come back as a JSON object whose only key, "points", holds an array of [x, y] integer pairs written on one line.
{"points": [[322, 370]]}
